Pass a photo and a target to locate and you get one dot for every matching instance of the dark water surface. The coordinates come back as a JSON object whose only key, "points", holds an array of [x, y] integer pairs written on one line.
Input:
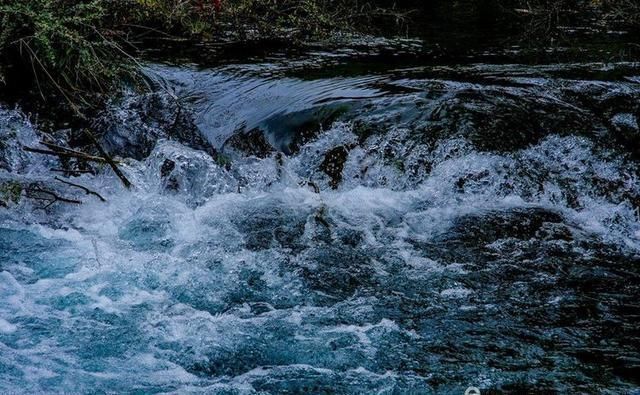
{"points": [[365, 227]]}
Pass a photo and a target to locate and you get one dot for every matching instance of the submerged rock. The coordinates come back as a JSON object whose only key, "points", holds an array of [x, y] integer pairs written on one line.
{"points": [[501, 120], [627, 131], [625, 121], [252, 143], [189, 173], [15, 133]]}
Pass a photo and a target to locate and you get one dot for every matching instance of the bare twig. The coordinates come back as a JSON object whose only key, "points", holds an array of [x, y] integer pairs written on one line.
{"points": [[66, 154], [69, 150], [69, 171], [49, 196], [85, 189], [105, 157], [108, 159]]}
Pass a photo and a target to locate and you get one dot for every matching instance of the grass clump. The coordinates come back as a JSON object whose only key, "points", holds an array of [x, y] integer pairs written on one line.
{"points": [[304, 19], [79, 50], [61, 48]]}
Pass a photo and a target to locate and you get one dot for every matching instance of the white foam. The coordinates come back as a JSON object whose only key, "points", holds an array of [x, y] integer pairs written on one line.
{"points": [[6, 327]]}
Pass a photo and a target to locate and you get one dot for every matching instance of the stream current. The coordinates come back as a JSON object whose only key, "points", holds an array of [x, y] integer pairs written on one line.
{"points": [[416, 229]]}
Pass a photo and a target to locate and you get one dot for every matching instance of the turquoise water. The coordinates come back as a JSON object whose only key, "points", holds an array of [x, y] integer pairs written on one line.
{"points": [[511, 270]]}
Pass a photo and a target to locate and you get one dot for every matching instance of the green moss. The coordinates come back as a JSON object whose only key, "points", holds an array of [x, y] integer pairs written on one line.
{"points": [[223, 161], [10, 192]]}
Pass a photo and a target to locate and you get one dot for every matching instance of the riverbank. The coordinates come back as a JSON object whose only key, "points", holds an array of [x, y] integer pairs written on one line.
{"points": [[76, 54]]}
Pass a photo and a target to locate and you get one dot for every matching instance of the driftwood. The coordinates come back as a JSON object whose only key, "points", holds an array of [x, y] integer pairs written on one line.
{"points": [[63, 152], [69, 150], [108, 159], [37, 193], [85, 189], [66, 154]]}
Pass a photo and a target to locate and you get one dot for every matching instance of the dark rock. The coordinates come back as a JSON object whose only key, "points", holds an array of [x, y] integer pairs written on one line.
{"points": [[516, 223], [167, 168], [268, 227], [15, 133], [291, 131], [132, 128], [333, 164], [252, 143], [469, 236], [189, 173], [627, 132], [337, 270], [502, 120]]}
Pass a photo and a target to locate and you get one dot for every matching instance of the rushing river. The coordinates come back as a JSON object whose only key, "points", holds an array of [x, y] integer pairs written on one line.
{"points": [[416, 229]]}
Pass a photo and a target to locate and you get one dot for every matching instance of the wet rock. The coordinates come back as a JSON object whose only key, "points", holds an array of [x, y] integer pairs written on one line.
{"points": [[337, 270], [625, 126], [149, 231], [616, 106], [503, 120], [252, 143], [132, 128], [311, 380], [333, 164], [6, 152], [491, 117], [470, 237], [187, 172], [271, 227], [625, 121], [291, 131], [171, 182], [15, 132], [167, 167], [518, 223]]}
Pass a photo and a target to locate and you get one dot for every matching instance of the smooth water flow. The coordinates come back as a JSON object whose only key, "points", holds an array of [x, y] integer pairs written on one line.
{"points": [[445, 227]]}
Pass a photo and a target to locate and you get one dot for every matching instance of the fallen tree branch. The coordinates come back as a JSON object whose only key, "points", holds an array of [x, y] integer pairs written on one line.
{"points": [[55, 147], [108, 159], [51, 197], [66, 154], [85, 189]]}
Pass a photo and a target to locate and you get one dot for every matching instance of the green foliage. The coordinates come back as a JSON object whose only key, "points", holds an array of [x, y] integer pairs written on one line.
{"points": [[179, 17], [65, 45], [10, 192], [548, 16], [223, 160], [75, 49], [625, 12], [300, 19]]}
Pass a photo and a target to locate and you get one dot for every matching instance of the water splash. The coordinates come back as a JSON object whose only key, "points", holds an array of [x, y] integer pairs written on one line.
{"points": [[431, 266]]}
